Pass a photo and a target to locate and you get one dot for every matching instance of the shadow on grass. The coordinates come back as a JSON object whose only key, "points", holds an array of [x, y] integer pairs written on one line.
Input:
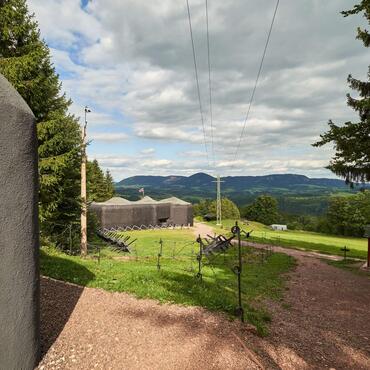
{"points": [[58, 299]]}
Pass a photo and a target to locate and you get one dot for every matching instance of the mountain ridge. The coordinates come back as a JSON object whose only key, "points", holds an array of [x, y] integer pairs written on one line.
{"points": [[237, 182], [296, 194]]}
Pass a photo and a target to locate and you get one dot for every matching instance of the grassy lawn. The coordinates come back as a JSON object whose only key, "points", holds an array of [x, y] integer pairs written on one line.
{"points": [[305, 240], [174, 242], [175, 282]]}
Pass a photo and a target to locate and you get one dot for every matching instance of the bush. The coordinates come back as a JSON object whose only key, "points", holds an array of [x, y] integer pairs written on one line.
{"points": [[208, 207], [264, 209]]}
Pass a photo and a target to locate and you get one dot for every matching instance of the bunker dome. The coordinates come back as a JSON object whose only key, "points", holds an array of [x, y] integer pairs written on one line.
{"points": [[120, 212]]}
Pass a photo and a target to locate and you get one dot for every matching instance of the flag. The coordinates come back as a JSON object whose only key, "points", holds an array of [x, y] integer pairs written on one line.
{"points": [[141, 190]]}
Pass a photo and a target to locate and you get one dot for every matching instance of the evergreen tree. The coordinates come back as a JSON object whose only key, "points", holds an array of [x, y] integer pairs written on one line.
{"points": [[352, 140], [25, 62], [97, 186], [109, 184], [100, 186]]}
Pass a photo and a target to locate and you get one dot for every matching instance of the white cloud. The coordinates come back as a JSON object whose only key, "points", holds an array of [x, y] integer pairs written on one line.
{"points": [[107, 136], [131, 62], [148, 151], [64, 21]]}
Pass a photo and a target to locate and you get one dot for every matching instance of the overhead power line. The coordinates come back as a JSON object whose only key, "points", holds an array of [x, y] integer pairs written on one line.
{"points": [[257, 79], [197, 81], [210, 87]]}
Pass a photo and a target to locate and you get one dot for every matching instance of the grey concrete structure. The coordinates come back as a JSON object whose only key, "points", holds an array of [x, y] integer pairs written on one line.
{"points": [[120, 212], [19, 243]]}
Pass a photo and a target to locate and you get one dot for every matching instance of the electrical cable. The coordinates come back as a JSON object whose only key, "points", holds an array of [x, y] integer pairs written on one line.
{"points": [[257, 79], [197, 81], [210, 88]]}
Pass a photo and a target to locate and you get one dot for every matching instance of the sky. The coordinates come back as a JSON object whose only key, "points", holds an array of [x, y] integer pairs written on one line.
{"points": [[131, 63]]}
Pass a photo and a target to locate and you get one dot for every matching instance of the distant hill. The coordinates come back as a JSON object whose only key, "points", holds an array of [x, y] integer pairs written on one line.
{"points": [[296, 194], [287, 181]]}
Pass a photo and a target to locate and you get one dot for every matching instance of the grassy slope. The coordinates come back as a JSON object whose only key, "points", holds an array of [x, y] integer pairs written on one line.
{"points": [[302, 239], [175, 282]]}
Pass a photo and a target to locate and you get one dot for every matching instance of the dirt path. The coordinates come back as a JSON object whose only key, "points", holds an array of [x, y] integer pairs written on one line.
{"points": [[116, 331], [202, 229], [325, 323], [322, 324]]}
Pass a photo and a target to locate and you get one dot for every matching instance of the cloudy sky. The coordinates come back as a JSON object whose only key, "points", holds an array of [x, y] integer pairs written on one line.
{"points": [[131, 62]]}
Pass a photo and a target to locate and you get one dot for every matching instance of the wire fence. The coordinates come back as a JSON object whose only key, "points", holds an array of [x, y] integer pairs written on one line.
{"points": [[149, 227], [209, 260]]}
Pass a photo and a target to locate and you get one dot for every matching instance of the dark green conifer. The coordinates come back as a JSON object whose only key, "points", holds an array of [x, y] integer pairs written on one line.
{"points": [[25, 62], [352, 140]]}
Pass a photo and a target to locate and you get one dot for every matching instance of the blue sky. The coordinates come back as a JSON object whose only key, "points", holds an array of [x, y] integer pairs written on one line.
{"points": [[131, 63]]}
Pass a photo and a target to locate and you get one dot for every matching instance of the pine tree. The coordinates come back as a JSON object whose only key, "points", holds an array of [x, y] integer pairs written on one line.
{"points": [[25, 62], [352, 140], [100, 186], [96, 183], [109, 184]]}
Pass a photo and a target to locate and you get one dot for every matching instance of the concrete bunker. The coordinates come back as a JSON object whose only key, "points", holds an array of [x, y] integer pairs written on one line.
{"points": [[120, 212]]}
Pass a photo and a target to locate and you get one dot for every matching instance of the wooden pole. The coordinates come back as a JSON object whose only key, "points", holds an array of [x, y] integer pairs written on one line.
{"points": [[368, 252], [83, 190]]}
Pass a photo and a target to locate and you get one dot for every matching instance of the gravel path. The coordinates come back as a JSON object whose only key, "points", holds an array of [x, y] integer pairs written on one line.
{"points": [[324, 325], [116, 331]]}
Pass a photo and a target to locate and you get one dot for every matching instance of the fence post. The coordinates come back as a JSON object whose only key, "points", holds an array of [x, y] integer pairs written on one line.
{"points": [[159, 254], [199, 258], [238, 271]]}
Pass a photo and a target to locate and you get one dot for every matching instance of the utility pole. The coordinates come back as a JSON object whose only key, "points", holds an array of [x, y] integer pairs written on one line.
{"points": [[219, 203], [83, 188]]}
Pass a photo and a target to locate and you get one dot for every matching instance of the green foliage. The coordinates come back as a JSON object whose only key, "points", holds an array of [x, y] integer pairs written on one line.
{"points": [[109, 183], [363, 7], [349, 215], [310, 205], [92, 225], [264, 209], [100, 186], [346, 215], [300, 222], [351, 141], [209, 207], [25, 62], [202, 208]]}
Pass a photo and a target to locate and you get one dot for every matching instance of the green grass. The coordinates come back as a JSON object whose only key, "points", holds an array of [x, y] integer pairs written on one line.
{"points": [[173, 241], [176, 282], [328, 244]]}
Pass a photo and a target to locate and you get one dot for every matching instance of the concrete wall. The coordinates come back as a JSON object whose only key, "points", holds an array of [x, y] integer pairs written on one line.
{"points": [[19, 272], [163, 212], [182, 214], [142, 214], [125, 215]]}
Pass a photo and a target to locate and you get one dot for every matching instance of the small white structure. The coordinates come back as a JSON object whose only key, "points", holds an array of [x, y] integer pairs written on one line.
{"points": [[279, 227]]}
